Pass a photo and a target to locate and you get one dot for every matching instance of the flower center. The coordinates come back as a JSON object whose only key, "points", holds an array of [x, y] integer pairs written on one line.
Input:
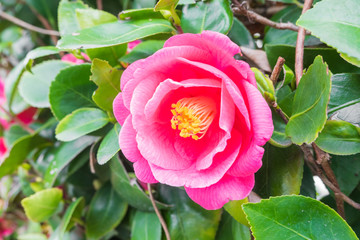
{"points": [[193, 116]]}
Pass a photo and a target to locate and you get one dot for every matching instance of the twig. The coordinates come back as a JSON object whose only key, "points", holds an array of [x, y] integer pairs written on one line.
{"points": [[17, 120], [99, 4], [92, 158], [299, 52], [241, 9], [161, 219], [42, 19], [26, 25], [277, 69]]}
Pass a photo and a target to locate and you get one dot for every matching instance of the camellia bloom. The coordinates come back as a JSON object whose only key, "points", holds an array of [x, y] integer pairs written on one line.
{"points": [[192, 116], [71, 58]]}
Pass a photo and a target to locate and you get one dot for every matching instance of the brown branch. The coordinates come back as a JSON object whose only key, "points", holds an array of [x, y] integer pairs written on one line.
{"points": [[26, 25], [299, 52], [161, 219], [42, 19], [241, 9], [277, 69], [92, 158], [99, 4]]}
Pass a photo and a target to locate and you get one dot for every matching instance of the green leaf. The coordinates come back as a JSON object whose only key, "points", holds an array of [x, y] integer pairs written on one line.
{"points": [[279, 138], [264, 85], [339, 138], [108, 81], [18, 153], [34, 86], [347, 171], [281, 36], [71, 90], [310, 104], [114, 33], [230, 229], [348, 114], [240, 35], [139, 14], [166, 5], [109, 146], [72, 215], [15, 102], [128, 188], [214, 15], [111, 54], [281, 173], [63, 155], [106, 211], [235, 210], [143, 50], [296, 217], [336, 25], [67, 20], [289, 76], [79, 123], [14, 133], [90, 17], [42, 205], [145, 226], [187, 219], [32, 236], [331, 57], [345, 91]]}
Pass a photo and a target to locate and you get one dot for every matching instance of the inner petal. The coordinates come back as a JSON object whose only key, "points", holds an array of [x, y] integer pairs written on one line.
{"points": [[193, 116]]}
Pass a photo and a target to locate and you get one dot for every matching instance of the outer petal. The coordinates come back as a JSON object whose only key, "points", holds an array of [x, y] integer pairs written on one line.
{"points": [[216, 195], [248, 162], [119, 109], [260, 114], [27, 116], [129, 148]]}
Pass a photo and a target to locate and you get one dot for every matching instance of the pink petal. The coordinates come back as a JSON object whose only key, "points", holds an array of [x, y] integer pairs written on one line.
{"points": [[2, 92], [191, 177], [71, 58], [143, 171], [27, 115], [216, 195], [260, 115], [119, 109], [129, 72], [3, 148], [248, 162]]}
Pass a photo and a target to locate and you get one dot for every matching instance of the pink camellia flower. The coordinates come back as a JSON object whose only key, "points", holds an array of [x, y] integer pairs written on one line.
{"points": [[6, 228], [133, 44], [3, 148], [192, 116], [71, 58]]}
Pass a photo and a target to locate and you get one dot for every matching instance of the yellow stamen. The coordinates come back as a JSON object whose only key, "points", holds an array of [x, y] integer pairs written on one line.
{"points": [[193, 116]]}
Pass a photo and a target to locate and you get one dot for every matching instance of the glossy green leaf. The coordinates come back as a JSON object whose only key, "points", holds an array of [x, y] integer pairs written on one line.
{"points": [[146, 225], [114, 33], [67, 20], [235, 210], [331, 57], [128, 188], [240, 35], [289, 77], [187, 219], [111, 54], [230, 229], [90, 17], [106, 211], [345, 91], [14, 133], [108, 81], [79, 123], [71, 90], [109, 146], [214, 15], [347, 171], [310, 104], [166, 5], [296, 217], [34, 86], [279, 138], [139, 14], [32, 236], [308, 183], [63, 155], [339, 138], [143, 50], [42, 205], [71, 216], [281, 36], [18, 153], [349, 114], [336, 25], [281, 173]]}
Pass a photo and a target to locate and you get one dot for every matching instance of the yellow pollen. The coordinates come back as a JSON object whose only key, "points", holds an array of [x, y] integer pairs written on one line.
{"points": [[193, 116]]}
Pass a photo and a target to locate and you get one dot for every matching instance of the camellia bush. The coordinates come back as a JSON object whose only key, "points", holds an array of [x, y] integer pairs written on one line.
{"points": [[179, 119]]}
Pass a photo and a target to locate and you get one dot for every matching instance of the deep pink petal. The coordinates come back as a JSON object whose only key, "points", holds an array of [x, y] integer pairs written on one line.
{"points": [[27, 116], [216, 195], [2, 92], [3, 148], [191, 177], [248, 162], [260, 115], [143, 171], [119, 109]]}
